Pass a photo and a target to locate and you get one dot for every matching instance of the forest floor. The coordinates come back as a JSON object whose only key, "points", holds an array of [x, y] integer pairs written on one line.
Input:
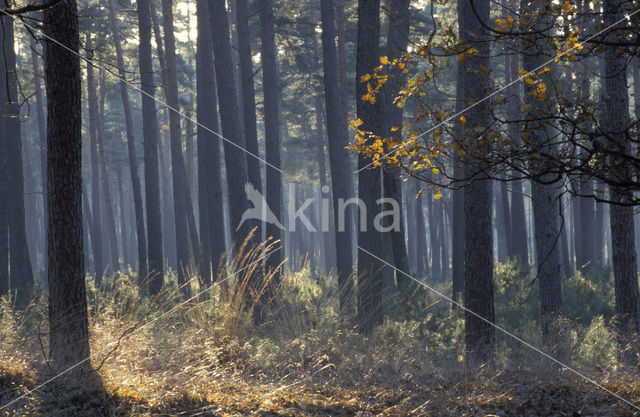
{"points": [[208, 359], [223, 393]]}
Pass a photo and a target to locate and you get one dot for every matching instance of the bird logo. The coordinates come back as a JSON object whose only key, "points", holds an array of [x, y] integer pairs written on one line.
{"points": [[260, 209]]}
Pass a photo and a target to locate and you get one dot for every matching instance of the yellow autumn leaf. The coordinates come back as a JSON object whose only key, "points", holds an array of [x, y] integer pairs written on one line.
{"points": [[567, 6], [384, 60], [542, 88], [463, 120], [438, 195]]}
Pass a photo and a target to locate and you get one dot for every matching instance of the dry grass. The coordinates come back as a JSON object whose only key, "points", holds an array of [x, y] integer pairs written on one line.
{"points": [[207, 358]]}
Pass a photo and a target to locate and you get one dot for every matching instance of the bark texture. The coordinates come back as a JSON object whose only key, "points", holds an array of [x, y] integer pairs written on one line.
{"points": [[341, 186], [68, 323], [623, 249], [478, 268], [369, 177], [150, 144]]}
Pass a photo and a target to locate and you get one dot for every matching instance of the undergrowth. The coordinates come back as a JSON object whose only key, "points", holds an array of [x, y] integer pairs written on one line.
{"points": [[208, 357]]}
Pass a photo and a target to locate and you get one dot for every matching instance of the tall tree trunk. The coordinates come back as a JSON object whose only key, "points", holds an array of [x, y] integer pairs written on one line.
{"points": [[434, 240], [341, 174], [21, 274], [323, 236], [215, 197], [412, 240], [585, 233], [599, 233], [616, 123], [104, 176], [68, 322], [519, 249], [177, 160], [4, 185], [31, 205], [457, 241], [207, 119], [96, 231], [150, 143], [42, 135], [478, 289], [88, 225], [271, 128], [544, 197], [123, 222], [248, 96], [397, 40], [577, 231], [499, 222], [133, 159], [422, 259], [342, 60], [168, 220], [235, 157], [445, 232], [506, 212], [563, 240], [369, 178]]}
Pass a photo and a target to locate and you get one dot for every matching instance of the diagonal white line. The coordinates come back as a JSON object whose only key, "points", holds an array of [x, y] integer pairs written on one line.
{"points": [[147, 324], [135, 87], [550, 62], [527, 344]]}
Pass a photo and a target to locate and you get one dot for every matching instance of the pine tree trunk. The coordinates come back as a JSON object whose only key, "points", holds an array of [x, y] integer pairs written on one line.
{"points": [[616, 123], [412, 245], [123, 222], [150, 143], [96, 231], [340, 20], [133, 159], [235, 157], [106, 184], [168, 222], [21, 274], [207, 118], [369, 178], [248, 96], [341, 174], [177, 160], [87, 246], [564, 239], [271, 130], [42, 135], [519, 248], [422, 259], [432, 266], [500, 226], [544, 197], [68, 322], [478, 288], [214, 183], [4, 185], [397, 40], [457, 241]]}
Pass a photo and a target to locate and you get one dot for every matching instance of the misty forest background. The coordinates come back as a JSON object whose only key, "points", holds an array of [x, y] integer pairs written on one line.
{"points": [[507, 132]]}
